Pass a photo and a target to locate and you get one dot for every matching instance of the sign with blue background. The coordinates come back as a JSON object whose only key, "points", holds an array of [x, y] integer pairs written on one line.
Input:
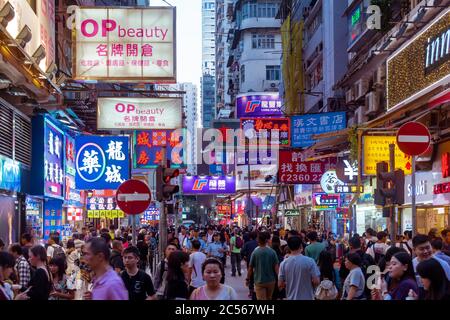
{"points": [[10, 174], [101, 162], [305, 126], [52, 217]]}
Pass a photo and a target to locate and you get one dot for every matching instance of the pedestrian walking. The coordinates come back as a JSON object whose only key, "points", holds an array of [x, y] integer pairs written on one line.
{"points": [[22, 266], [435, 280], [314, 248], [236, 244], [116, 260], [160, 273], [6, 269], [196, 260], [355, 282], [177, 283]]}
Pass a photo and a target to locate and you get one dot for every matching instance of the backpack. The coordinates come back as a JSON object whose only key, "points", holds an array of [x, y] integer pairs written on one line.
{"points": [[326, 291], [59, 253], [239, 243]]}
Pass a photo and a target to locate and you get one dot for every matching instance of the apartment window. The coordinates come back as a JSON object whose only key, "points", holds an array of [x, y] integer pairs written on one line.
{"points": [[242, 73], [311, 29], [273, 73], [253, 9], [263, 41]]}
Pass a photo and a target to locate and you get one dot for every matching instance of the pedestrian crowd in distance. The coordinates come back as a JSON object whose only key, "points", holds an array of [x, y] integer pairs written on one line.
{"points": [[278, 264]]}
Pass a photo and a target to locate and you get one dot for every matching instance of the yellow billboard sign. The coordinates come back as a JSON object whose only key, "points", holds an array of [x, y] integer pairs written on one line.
{"points": [[105, 214], [376, 149]]}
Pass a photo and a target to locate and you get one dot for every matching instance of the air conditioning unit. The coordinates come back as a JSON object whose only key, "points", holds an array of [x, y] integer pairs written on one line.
{"points": [[372, 103], [361, 87], [360, 116], [380, 76], [349, 97]]}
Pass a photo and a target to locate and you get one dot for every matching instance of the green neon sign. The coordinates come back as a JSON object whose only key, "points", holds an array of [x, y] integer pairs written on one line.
{"points": [[356, 16]]}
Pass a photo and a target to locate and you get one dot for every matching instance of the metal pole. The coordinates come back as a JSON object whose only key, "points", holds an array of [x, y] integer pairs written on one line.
{"points": [[133, 230], [162, 213], [249, 210], [392, 169], [413, 197]]}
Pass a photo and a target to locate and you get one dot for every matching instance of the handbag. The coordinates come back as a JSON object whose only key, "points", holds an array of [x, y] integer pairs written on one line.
{"points": [[326, 291]]}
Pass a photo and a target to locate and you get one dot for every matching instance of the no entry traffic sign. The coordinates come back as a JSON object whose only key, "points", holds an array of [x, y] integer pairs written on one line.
{"points": [[133, 197], [413, 138]]}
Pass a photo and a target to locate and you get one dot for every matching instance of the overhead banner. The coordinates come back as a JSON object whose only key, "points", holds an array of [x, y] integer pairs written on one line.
{"points": [[294, 169], [53, 161], [305, 126], [265, 128], [209, 184], [376, 149], [102, 162], [139, 113], [125, 44], [149, 147], [264, 104]]}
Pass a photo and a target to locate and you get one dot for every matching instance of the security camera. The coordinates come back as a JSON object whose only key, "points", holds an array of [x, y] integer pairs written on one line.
{"points": [[39, 54], [24, 36], [6, 14]]}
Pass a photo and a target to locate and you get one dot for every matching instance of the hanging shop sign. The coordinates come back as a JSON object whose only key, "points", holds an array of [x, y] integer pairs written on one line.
{"points": [[348, 188], [52, 217], [150, 215], [259, 177], [347, 170], [376, 149], [270, 129], [294, 169], [262, 104], [10, 174], [441, 188], [53, 162], [329, 181], [445, 164], [125, 44], [74, 214], [291, 213], [425, 58], [149, 146], [441, 179], [305, 126], [209, 184], [139, 113], [102, 162], [41, 22], [324, 201], [103, 208], [70, 156], [424, 187]]}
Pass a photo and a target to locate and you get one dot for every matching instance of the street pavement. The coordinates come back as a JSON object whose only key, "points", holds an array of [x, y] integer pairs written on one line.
{"points": [[238, 283]]}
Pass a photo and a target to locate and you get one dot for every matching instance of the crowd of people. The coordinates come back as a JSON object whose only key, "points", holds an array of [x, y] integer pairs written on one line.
{"points": [[278, 264]]}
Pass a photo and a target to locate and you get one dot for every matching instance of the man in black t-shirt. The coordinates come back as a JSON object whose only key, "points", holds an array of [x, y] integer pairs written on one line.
{"points": [[138, 283]]}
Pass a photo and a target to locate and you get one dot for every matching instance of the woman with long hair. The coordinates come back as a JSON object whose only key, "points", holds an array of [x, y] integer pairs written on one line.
{"points": [[41, 281], [60, 290], [213, 271], [177, 284], [434, 279], [402, 279], [6, 270], [326, 266]]}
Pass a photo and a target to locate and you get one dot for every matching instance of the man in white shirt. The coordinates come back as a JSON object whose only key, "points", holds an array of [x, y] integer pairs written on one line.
{"points": [[196, 260], [210, 235], [54, 249], [378, 249], [182, 237]]}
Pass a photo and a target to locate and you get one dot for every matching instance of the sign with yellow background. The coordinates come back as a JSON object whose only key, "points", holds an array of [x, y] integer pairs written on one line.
{"points": [[376, 149], [105, 214]]}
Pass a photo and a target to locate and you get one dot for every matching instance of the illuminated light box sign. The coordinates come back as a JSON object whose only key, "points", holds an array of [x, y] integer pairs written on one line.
{"points": [[139, 113], [376, 149], [125, 44], [102, 162], [105, 214], [294, 169], [305, 126], [420, 65], [262, 104], [441, 188], [265, 128], [10, 174], [149, 147], [209, 184], [52, 217], [324, 201]]}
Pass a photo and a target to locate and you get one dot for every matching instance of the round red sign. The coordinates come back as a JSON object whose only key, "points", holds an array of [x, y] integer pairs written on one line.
{"points": [[413, 138], [133, 197]]}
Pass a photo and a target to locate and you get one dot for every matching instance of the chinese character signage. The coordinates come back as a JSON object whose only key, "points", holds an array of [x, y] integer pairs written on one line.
{"points": [[348, 188], [103, 208], [294, 169], [53, 160], [329, 180], [70, 155], [277, 129], [125, 44], [209, 184], [149, 148], [139, 113], [324, 201], [305, 126], [258, 105], [102, 162], [150, 215], [376, 149], [52, 217], [347, 170]]}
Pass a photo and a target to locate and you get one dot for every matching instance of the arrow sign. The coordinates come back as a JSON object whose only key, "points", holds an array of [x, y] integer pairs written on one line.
{"points": [[413, 138], [133, 197]]}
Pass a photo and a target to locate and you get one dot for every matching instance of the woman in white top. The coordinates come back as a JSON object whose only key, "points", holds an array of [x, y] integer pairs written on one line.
{"points": [[212, 270]]}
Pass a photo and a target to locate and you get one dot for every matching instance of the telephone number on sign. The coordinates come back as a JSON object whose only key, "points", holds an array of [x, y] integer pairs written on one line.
{"points": [[302, 178]]}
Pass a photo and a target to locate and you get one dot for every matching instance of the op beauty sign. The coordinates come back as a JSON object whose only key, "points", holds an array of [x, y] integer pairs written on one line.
{"points": [[125, 44]]}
